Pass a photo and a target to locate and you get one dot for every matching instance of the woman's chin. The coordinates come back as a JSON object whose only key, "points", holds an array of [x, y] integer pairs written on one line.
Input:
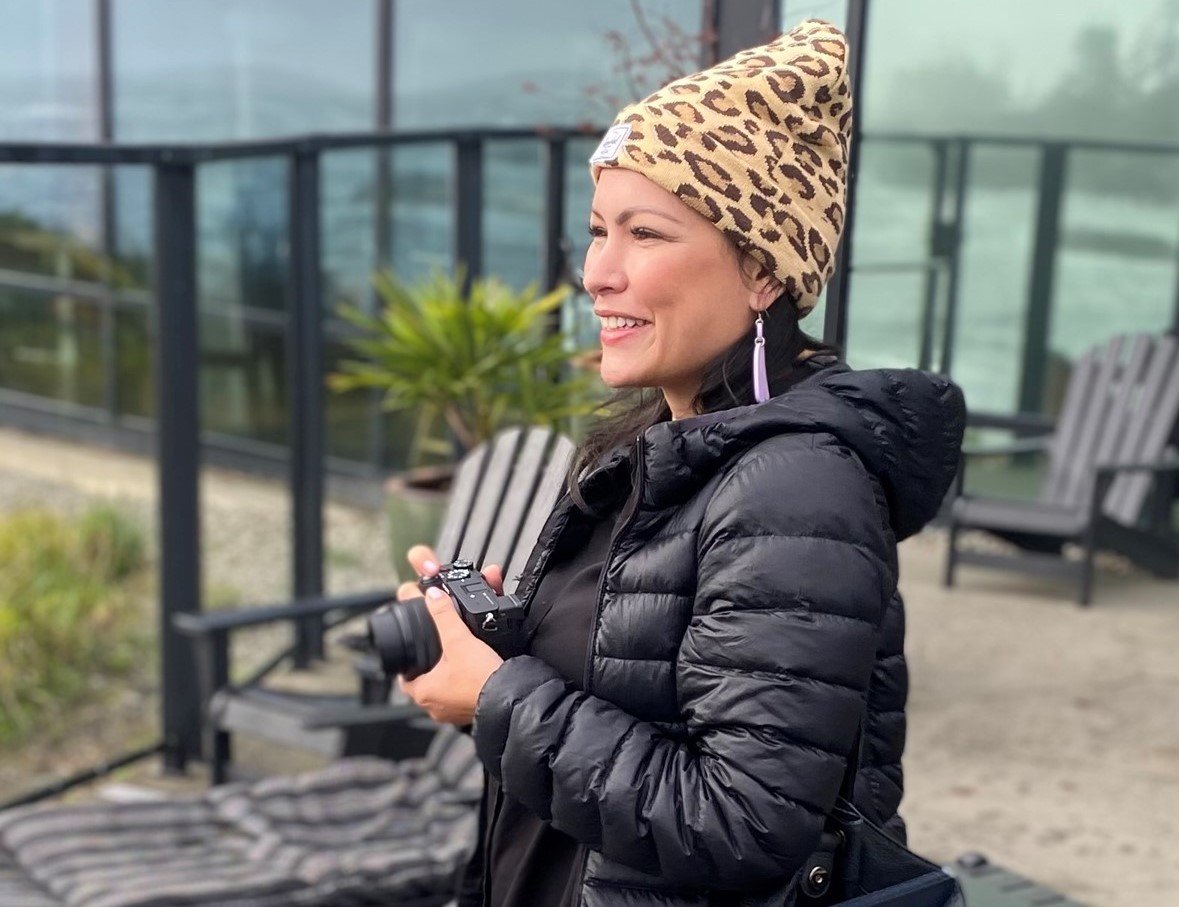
{"points": [[613, 377]]}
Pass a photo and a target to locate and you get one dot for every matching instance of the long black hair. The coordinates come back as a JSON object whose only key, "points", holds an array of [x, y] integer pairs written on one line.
{"points": [[727, 382]]}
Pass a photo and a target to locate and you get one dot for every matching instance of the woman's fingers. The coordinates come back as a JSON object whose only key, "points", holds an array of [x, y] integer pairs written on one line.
{"points": [[407, 590], [423, 560], [494, 574]]}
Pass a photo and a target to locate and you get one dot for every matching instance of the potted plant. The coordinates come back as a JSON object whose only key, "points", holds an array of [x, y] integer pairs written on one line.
{"points": [[469, 361]]}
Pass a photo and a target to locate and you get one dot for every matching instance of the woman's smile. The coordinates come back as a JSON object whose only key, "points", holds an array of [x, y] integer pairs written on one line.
{"points": [[615, 330]]}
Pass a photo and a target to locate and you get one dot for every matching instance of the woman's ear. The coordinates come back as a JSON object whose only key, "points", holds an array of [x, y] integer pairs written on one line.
{"points": [[763, 290], [763, 286]]}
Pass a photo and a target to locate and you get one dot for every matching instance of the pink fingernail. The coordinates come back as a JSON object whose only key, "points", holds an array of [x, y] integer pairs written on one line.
{"points": [[430, 567], [434, 592]]}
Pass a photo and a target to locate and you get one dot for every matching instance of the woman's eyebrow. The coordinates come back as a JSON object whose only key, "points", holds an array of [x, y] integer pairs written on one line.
{"points": [[638, 209]]}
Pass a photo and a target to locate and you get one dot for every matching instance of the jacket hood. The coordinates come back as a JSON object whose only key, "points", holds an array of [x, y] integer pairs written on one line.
{"points": [[905, 425]]}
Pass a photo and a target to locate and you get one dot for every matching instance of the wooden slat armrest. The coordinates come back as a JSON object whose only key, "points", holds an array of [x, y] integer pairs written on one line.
{"points": [[360, 715], [1111, 469], [228, 620], [1022, 445]]}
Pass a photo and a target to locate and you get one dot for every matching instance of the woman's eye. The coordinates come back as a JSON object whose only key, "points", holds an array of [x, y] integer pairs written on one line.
{"points": [[596, 231], [643, 233]]}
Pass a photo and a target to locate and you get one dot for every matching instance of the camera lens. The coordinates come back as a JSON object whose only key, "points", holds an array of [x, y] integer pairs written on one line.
{"points": [[405, 638]]}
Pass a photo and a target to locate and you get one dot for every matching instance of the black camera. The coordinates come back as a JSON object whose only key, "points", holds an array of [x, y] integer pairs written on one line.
{"points": [[405, 638]]}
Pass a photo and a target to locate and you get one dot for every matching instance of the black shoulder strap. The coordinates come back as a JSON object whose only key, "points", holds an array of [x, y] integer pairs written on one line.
{"points": [[848, 785]]}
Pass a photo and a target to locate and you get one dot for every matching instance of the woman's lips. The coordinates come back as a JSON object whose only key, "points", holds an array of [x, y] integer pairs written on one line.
{"points": [[611, 336]]}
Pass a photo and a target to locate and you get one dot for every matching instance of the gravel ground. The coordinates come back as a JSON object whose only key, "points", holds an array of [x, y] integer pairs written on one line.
{"points": [[1041, 734]]}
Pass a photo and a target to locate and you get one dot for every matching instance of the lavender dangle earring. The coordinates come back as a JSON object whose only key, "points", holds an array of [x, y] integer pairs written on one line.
{"points": [[761, 384]]}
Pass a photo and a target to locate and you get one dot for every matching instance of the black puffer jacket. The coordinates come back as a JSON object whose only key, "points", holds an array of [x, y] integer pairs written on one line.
{"points": [[747, 610]]}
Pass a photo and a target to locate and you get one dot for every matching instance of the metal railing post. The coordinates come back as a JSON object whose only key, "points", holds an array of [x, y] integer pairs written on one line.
{"points": [[1037, 318], [177, 361], [305, 370], [838, 290], [957, 229], [937, 250], [468, 202], [553, 222]]}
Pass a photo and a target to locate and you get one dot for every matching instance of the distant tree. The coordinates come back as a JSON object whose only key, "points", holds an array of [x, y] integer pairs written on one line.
{"points": [[655, 51], [951, 95]]}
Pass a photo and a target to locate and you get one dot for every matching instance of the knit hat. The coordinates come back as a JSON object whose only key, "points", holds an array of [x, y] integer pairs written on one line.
{"points": [[758, 144]]}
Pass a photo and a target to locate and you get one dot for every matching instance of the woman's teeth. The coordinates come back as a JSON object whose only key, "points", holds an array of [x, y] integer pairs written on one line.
{"points": [[613, 323]]}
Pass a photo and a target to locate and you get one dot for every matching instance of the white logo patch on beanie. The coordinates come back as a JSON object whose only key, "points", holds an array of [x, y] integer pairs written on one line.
{"points": [[611, 144]]}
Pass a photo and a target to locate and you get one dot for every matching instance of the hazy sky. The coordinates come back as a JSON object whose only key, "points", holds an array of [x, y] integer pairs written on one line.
{"points": [[330, 42], [1032, 40]]}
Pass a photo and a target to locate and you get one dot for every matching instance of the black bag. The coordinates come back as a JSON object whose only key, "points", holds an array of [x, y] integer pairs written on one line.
{"points": [[858, 864]]}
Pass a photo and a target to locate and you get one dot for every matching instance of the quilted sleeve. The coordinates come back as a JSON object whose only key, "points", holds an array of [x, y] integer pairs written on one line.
{"points": [[771, 677]]}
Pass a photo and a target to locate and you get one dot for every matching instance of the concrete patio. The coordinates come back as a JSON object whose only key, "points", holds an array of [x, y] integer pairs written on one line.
{"points": [[1041, 734]]}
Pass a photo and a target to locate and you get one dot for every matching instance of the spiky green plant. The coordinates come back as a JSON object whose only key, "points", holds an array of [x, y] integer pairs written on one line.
{"points": [[480, 360]]}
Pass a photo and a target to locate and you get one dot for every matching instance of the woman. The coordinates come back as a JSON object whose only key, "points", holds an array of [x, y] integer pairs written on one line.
{"points": [[712, 606]]}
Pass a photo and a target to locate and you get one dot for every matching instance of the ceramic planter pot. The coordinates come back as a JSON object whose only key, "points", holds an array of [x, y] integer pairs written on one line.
{"points": [[416, 503]]}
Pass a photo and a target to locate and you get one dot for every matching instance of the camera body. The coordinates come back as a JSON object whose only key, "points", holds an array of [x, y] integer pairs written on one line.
{"points": [[498, 620], [405, 638]]}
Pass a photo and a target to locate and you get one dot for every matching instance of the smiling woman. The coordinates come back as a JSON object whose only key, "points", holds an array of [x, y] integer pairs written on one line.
{"points": [[655, 261], [712, 613]]}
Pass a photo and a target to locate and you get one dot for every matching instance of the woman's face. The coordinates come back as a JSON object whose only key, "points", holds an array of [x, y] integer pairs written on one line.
{"points": [[653, 259]]}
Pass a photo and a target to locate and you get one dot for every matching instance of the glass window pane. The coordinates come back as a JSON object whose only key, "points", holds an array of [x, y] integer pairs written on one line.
{"points": [[1119, 248], [348, 200], [47, 63], [534, 61], [348, 415], [50, 221], [135, 392], [51, 346], [242, 378], [996, 255], [220, 69], [885, 330], [512, 210], [132, 241], [242, 234], [423, 210]]}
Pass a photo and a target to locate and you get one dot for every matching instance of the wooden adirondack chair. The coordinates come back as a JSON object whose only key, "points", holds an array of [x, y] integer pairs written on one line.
{"points": [[502, 494], [1111, 471]]}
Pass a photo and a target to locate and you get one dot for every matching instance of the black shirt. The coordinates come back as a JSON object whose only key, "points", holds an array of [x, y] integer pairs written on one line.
{"points": [[530, 862]]}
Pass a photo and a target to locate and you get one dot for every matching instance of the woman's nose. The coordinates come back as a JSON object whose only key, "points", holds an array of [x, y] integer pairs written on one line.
{"points": [[602, 272]]}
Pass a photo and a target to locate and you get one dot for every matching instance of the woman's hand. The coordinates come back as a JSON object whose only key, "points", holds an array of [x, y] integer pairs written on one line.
{"points": [[449, 691]]}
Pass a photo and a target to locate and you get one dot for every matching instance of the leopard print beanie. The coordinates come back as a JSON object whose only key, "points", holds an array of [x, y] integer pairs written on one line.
{"points": [[758, 144]]}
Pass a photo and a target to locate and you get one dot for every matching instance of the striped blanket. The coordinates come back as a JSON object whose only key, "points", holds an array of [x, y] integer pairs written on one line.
{"points": [[361, 831]]}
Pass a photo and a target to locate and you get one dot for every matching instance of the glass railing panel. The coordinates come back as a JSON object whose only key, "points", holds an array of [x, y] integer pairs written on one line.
{"points": [[513, 211], [1119, 249], [995, 265], [51, 346]]}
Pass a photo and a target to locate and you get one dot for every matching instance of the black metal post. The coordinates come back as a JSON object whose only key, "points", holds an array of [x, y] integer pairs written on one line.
{"points": [[835, 317], [306, 397], [382, 206], [553, 222], [956, 230], [1174, 328], [178, 452], [553, 225], [468, 201], [937, 254], [1037, 318], [105, 111], [740, 24]]}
